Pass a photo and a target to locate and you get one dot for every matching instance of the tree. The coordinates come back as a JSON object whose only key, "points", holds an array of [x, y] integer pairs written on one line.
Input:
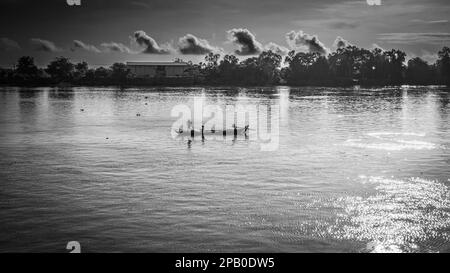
{"points": [[443, 64], [210, 67], [26, 70], [372, 68], [268, 63], [342, 62], [250, 73], [300, 64], [101, 75], [394, 66], [228, 69], [418, 72], [60, 70], [5, 75], [120, 73], [80, 72], [320, 72]]}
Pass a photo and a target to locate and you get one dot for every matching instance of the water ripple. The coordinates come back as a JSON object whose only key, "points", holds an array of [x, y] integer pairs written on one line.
{"points": [[405, 215]]}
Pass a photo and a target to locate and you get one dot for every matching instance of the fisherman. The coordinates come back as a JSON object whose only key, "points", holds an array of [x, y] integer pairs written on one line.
{"points": [[189, 126]]}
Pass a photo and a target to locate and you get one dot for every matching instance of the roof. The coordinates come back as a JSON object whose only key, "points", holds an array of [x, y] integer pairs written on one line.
{"points": [[157, 64]]}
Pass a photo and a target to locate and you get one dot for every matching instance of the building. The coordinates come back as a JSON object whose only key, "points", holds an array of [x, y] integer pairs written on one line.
{"points": [[158, 69]]}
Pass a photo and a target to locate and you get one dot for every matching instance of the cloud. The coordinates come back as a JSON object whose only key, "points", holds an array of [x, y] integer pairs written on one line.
{"points": [[140, 4], [341, 43], [150, 45], [7, 44], [373, 2], [375, 46], [343, 25], [245, 40], [280, 50], [80, 45], [414, 38], [44, 45], [303, 41], [191, 45], [430, 58], [116, 47], [435, 22]]}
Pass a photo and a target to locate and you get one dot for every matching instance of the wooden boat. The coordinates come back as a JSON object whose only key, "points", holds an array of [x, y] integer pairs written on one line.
{"points": [[228, 132]]}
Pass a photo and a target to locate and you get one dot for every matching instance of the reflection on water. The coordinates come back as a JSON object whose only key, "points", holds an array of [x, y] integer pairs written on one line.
{"points": [[404, 215], [356, 170], [391, 141]]}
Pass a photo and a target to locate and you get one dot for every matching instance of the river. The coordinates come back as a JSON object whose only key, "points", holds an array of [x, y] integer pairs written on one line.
{"points": [[354, 170]]}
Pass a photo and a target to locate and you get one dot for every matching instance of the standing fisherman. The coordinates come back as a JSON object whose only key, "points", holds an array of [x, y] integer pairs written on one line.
{"points": [[189, 125]]}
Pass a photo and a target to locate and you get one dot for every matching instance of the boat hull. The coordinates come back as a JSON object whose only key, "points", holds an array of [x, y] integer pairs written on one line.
{"points": [[228, 132]]}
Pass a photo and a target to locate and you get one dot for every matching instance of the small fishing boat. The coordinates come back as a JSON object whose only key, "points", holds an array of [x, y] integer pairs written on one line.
{"points": [[228, 132]]}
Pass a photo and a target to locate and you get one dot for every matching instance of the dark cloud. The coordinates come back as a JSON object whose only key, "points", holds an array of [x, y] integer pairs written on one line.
{"points": [[150, 45], [341, 43], [7, 44], [44, 45], [116, 47], [303, 41], [80, 45], [191, 45], [245, 40], [280, 50], [414, 38]]}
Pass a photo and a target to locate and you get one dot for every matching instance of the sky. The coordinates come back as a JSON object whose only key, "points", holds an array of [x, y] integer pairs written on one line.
{"points": [[102, 32]]}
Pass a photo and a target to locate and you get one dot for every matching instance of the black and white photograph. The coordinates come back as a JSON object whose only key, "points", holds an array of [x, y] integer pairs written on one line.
{"points": [[225, 126]]}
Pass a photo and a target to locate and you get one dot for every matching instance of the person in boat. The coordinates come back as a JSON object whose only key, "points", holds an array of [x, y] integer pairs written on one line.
{"points": [[190, 127]]}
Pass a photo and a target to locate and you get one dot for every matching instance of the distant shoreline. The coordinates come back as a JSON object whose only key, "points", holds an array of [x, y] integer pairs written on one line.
{"points": [[346, 67], [220, 86]]}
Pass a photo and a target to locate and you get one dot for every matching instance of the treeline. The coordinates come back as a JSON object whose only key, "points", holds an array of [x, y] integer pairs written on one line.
{"points": [[61, 70], [345, 66]]}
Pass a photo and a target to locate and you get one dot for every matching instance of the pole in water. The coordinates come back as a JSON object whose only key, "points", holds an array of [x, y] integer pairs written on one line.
{"points": [[235, 130]]}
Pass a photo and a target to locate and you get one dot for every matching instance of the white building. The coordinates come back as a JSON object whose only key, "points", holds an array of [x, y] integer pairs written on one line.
{"points": [[158, 69]]}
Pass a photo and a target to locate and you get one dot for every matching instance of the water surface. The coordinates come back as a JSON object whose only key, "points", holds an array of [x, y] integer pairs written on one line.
{"points": [[357, 170]]}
